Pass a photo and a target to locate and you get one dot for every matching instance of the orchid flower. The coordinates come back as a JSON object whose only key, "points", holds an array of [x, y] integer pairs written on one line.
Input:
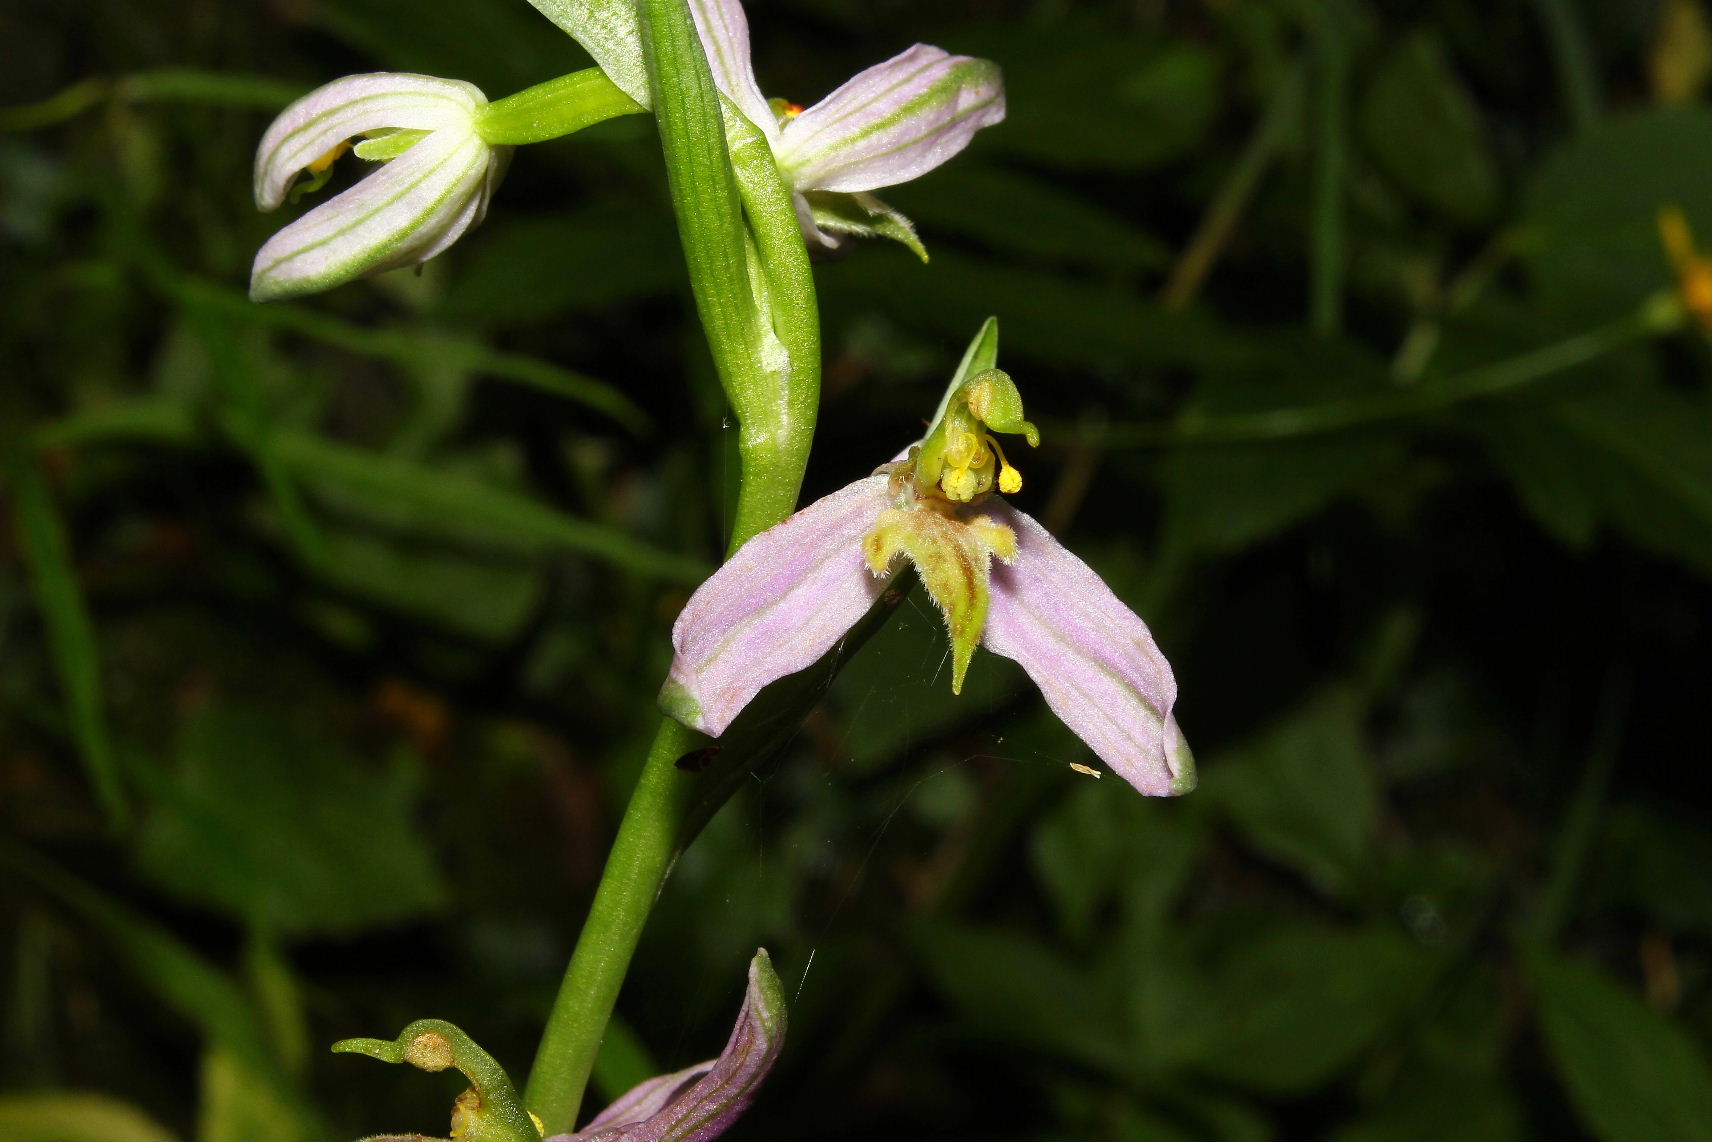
{"points": [[438, 176], [886, 125], [1000, 579], [700, 1102], [691, 1105]]}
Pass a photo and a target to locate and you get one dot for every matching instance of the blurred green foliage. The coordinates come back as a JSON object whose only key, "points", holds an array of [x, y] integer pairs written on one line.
{"points": [[329, 631]]}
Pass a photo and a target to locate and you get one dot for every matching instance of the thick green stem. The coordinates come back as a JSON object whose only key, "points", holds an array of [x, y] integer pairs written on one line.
{"points": [[635, 869], [755, 296]]}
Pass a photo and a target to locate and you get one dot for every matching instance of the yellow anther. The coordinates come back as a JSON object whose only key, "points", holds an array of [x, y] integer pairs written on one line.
{"points": [[1010, 480], [320, 165]]}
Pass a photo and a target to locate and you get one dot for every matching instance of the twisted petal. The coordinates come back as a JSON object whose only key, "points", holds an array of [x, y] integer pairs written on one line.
{"points": [[894, 122], [775, 607], [724, 32], [336, 111], [699, 1103], [1092, 658], [406, 212]]}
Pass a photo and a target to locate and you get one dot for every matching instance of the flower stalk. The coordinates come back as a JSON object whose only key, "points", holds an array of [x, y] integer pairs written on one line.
{"points": [[754, 293]]}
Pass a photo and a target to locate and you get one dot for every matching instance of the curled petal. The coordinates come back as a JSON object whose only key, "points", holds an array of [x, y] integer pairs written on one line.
{"points": [[721, 1090], [337, 111], [894, 122], [774, 608], [1092, 658], [645, 1099], [406, 212], [724, 32]]}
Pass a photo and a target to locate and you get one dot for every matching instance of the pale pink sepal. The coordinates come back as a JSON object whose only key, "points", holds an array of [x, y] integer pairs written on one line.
{"points": [[724, 31], [345, 108], [774, 608], [893, 122], [406, 212], [701, 1102], [1092, 657]]}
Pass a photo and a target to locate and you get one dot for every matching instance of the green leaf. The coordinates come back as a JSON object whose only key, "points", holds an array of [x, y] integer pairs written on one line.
{"points": [[273, 825], [1029, 217], [1305, 792], [528, 269], [1422, 128], [1296, 1005], [1590, 241], [1011, 988], [71, 636], [180, 978], [474, 504], [75, 1116], [1082, 97], [1631, 1072]]}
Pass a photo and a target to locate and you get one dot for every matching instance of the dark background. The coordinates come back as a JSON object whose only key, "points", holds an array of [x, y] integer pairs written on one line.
{"points": [[329, 630]]}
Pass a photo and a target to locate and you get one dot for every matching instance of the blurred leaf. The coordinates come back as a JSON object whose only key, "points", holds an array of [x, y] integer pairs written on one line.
{"points": [[481, 595], [1632, 1073], [1084, 96], [236, 1107], [1009, 987], [1546, 472], [75, 1116], [1101, 840], [436, 39], [1075, 851], [1048, 316], [272, 825], [1423, 130], [1431, 1106], [1305, 791], [526, 270], [1031, 217], [468, 502], [1659, 862], [1633, 458], [1296, 1004], [1649, 464], [1590, 242], [623, 1062], [180, 978], [880, 721], [71, 637], [1222, 497]]}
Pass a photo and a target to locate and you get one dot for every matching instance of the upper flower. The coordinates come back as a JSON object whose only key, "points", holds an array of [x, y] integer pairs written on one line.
{"points": [[439, 173], [887, 125], [998, 576]]}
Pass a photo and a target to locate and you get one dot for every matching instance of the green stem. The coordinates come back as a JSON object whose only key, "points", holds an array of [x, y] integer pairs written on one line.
{"points": [[755, 296], [558, 107], [635, 870]]}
